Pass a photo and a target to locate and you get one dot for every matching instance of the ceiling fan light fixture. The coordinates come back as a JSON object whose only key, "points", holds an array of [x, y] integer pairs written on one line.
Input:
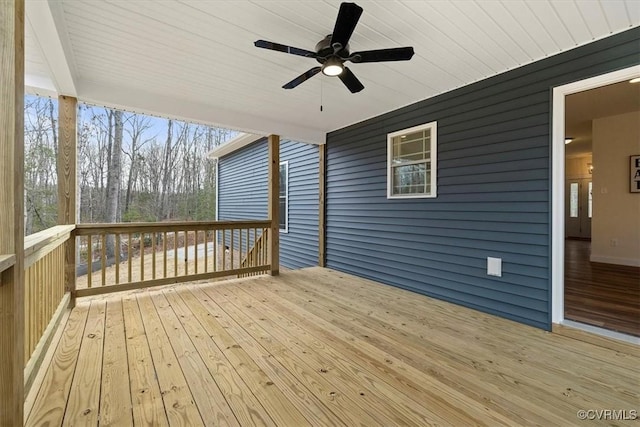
{"points": [[333, 51], [568, 140], [332, 67], [636, 80]]}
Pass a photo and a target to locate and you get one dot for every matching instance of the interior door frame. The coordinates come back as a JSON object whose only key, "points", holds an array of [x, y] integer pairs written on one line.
{"points": [[558, 188]]}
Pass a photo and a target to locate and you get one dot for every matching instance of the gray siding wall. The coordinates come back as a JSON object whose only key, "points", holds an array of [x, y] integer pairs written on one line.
{"points": [[494, 197], [242, 190]]}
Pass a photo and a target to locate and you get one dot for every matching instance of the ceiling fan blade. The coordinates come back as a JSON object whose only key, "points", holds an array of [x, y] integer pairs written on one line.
{"points": [[383, 55], [350, 80], [346, 22], [302, 78], [284, 48]]}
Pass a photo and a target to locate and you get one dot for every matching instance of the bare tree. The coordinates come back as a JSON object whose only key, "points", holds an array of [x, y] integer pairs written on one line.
{"points": [[137, 126], [40, 164], [113, 178]]}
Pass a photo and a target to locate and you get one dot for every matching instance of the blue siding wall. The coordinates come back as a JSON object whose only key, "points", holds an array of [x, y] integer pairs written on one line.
{"points": [[299, 247], [494, 195], [242, 190], [242, 183]]}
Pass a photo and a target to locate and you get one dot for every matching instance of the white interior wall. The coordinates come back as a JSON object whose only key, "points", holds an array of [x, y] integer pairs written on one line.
{"points": [[616, 215]]}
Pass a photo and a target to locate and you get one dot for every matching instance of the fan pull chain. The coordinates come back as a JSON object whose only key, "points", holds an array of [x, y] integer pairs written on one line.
{"points": [[321, 87]]}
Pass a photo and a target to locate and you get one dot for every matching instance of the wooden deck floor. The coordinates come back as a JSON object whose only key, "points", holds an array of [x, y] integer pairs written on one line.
{"points": [[318, 347]]}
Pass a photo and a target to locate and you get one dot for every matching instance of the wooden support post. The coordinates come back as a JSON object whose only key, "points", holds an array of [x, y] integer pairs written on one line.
{"points": [[274, 204], [67, 208], [322, 213], [12, 211]]}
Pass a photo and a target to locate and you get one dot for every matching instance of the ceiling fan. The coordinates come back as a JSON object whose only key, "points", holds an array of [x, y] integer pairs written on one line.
{"points": [[333, 51]]}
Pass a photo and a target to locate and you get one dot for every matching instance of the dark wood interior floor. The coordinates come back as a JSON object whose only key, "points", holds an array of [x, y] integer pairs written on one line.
{"points": [[603, 295]]}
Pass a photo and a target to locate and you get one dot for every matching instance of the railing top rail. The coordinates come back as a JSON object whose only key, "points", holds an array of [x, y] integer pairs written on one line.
{"points": [[6, 261], [135, 227], [35, 242]]}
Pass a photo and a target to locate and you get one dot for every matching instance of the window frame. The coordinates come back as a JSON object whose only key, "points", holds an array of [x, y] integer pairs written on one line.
{"points": [[433, 160], [286, 198]]}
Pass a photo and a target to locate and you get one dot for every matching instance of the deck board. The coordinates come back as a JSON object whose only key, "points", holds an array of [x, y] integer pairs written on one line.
{"points": [[237, 394], [539, 375], [305, 401], [281, 409], [147, 404], [343, 402], [319, 347], [176, 394], [53, 394], [115, 395], [84, 400], [382, 394], [209, 400]]}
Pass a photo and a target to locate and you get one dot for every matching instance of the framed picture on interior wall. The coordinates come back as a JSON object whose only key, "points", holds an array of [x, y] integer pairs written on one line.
{"points": [[635, 174]]}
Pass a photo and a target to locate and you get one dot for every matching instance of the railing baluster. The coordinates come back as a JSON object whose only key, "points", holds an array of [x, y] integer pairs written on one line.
{"points": [[224, 249], [186, 253], [195, 256], [175, 254], [231, 247], [164, 251], [260, 248], [117, 254], [89, 260], [142, 256], [254, 259], [206, 251], [240, 248], [27, 311], [40, 298], [215, 250], [103, 259], [46, 276], [246, 255], [32, 304], [153, 255], [265, 246], [129, 255]]}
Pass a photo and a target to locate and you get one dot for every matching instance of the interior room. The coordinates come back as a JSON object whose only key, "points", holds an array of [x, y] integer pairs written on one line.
{"points": [[602, 225]]}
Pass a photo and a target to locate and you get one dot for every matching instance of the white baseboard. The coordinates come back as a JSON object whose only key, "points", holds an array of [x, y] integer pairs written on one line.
{"points": [[615, 260]]}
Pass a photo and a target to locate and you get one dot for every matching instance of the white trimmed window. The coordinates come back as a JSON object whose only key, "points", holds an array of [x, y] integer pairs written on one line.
{"points": [[411, 162], [284, 197]]}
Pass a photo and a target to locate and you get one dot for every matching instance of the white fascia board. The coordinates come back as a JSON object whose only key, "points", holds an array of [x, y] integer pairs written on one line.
{"points": [[39, 86], [235, 144], [40, 16]]}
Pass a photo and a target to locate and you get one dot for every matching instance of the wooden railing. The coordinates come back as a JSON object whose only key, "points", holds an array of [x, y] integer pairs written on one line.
{"points": [[44, 294], [128, 256], [257, 254], [6, 261]]}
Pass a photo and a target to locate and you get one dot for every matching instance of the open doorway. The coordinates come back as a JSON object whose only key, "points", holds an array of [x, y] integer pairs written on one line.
{"points": [[598, 249]]}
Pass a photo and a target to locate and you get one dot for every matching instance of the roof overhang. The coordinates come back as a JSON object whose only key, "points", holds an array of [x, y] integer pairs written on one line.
{"points": [[235, 144]]}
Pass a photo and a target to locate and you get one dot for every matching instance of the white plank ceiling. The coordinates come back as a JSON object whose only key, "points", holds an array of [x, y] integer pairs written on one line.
{"points": [[195, 60]]}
